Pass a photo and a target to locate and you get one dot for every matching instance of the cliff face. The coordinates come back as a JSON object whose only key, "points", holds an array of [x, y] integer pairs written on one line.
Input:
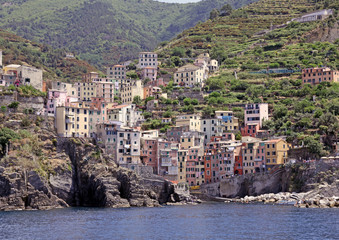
{"points": [[42, 171], [98, 182], [91, 181], [319, 178]]}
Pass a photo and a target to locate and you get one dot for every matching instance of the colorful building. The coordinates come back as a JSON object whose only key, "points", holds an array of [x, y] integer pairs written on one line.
{"points": [[316, 76]]}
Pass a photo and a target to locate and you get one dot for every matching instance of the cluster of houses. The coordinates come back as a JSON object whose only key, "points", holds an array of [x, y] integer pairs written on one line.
{"points": [[17, 75], [195, 149]]}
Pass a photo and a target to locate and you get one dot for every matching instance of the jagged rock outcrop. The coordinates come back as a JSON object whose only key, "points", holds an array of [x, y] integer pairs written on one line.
{"points": [[20, 189], [99, 182], [66, 172]]}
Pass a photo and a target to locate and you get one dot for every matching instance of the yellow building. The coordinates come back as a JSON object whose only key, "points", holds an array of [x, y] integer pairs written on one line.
{"points": [[186, 141], [182, 159], [191, 120], [276, 152], [72, 121], [189, 75], [129, 89], [229, 122], [68, 87], [250, 148]]}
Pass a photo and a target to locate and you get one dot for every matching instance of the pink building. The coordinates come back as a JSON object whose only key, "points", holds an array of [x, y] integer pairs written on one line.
{"points": [[150, 73], [56, 98], [256, 113], [148, 153], [193, 170], [259, 163], [105, 88]]}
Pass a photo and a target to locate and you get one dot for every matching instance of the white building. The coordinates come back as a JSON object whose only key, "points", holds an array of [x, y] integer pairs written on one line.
{"points": [[126, 114], [256, 113], [148, 59], [211, 127]]}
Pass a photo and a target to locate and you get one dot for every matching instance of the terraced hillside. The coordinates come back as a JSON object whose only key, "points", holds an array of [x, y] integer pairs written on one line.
{"points": [[256, 35], [256, 38]]}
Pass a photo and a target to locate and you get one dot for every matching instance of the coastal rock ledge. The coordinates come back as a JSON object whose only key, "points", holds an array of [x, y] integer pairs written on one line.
{"points": [[314, 185], [77, 173]]}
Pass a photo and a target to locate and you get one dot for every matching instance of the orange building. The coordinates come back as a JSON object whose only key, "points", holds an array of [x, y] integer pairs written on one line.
{"points": [[315, 76]]}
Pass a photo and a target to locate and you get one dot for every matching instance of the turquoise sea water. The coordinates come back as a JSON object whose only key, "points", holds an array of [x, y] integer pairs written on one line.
{"points": [[204, 221]]}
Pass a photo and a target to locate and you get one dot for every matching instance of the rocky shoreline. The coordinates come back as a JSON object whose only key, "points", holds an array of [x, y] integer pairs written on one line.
{"points": [[317, 198]]}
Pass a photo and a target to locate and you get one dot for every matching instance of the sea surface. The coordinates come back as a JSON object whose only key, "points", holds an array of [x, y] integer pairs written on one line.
{"points": [[204, 221]]}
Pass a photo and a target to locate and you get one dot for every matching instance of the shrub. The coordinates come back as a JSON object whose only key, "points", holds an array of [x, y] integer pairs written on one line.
{"points": [[14, 105], [3, 109]]}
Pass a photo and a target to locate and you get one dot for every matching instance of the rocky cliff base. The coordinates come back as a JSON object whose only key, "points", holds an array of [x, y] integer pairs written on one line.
{"points": [[318, 198], [303, 185], [42, 171]]}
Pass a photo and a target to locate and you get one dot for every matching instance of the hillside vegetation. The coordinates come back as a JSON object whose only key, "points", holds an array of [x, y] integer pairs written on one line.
{"points": [[304, 114], [104, 32], [17, 50], [238, 41]]}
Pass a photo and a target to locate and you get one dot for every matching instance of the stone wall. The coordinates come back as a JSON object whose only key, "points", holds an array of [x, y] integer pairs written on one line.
{"points": [[189, 93], [37, 103]]}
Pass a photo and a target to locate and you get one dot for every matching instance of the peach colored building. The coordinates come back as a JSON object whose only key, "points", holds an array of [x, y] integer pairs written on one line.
{"points": [[315, 76], [106, 88], [150, 73]]}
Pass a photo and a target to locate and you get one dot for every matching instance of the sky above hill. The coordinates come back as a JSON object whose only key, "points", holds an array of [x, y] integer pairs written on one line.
{"points": [[178, 1]]}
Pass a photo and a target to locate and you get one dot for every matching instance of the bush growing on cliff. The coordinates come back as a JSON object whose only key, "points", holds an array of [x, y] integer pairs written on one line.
{"points": [[14, 105], [7, 135], [3, 109]]}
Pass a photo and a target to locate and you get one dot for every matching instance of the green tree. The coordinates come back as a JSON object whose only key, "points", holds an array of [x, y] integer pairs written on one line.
{"points": [[226, 10], [314, 146], [214, 13], [208, 111], [6, 135], [195, 102], [178, 51], [187, 101], [147, 115], [238, 136], [168, 114], [132, 75], [279, 111], [14, 105], [177, 61], [137, 100], [3, 109]]}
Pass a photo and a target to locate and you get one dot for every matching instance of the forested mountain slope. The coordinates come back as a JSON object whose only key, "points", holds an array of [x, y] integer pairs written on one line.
{"points": [[17, 50], [104, 31]]}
